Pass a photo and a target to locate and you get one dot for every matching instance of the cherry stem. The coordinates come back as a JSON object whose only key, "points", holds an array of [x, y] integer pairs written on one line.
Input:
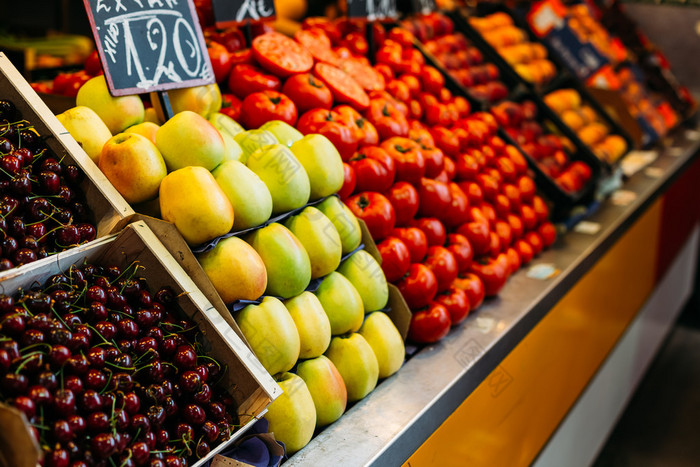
{"points": [[26, 360]]}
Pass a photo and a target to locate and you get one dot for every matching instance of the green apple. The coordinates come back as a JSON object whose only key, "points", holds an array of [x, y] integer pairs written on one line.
{"points": [[147, 129], [386, 342], [87, 128], [341, 302], [356, 363], [284, 176], [284, 132], [191, 199], [320, 239], [249, 196], [312, 324], [189, 139], [252, 140], [134, 166], [292, 416], [271, 333], [286, 260], [327, 388], [236, 270], [365, 273], [322, 163], [232, 151], [118, 113], [344, 221], [225, 124]]}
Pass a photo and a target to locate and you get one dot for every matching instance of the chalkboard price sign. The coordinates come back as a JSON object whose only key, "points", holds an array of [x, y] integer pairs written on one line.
{"points": [[423, 6], [149, 45], [231, 12], [372, 9]]}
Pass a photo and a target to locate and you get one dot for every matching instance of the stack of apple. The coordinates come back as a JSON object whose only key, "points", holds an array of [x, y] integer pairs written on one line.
{"points": [[550, 151], [454, 51], [587, 124], [528, 59]]}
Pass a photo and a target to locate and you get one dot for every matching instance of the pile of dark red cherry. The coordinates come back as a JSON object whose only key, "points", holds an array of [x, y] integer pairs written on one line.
{"points": [[42, 207], [110, 374]]}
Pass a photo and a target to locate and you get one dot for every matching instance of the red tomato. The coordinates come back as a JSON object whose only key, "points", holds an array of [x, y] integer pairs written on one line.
{"points": [[513, 195], [399, 90], [528, 216], [412, 82], [478, 235], [429, 325], [535, 241], [502, 206], [77, 80], [415, 240], [242, 57], [525, 251], [326, 123], [489, 213], [410, 164], [461, 249], [473, 192], [404, 197], [261, 107], [231, 106], [220, 59], [308, 92], [474, 288], [492, 273], [517, 158], [434, 160], [317, 42], [60, 83], [344, 88], [435, 198], [433, 229], [387, 119], [396, 259], [375, 210], [281, 55], [456, 302], [548, 233], [516, 226], [504, 232], [458, 211], [349, 182], [513, 259], [232, 38], [247, 79], [494, 244], [432, 80], [445, 139], [366, 132], [449, 168], [527, 188], [541, 209], [385, 71], [93, 66], [489, 185], [374, 168], [418, 286], [443, 264], [466, 167]]}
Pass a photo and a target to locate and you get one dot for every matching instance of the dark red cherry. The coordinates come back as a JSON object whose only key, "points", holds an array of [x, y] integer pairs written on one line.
{"points": [[67, 236], [97, 421], [91, 400], [39, 394], [74, 383], [210, 431], [131, 402], [48, 380], [49, 182], [77, 424], [26, 405], [194, 414], [103, 445], [13, 325], [64, 402], [62, 431], [185, 357], [190, 381]]}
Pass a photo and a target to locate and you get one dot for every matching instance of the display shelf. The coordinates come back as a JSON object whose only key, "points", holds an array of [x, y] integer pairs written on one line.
{"points": [[400, 415]]}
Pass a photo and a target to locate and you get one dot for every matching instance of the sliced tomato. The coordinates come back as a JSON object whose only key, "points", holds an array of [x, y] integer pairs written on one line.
{"points": [[344, 88], [366, 76], [316, 41], [281, 55]]}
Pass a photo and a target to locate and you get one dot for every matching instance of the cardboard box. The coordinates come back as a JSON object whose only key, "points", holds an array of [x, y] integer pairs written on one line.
{"points": [[252, 388], [111, 212]]}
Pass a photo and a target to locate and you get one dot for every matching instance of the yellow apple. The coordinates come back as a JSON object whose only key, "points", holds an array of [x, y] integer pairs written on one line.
{"points": [[133, 164], [322, 163], [225, 124], [320, 239], [292, 416], [248, 194], [147, 129], [356, 363], [203, 100], [344, 221], [341, 302], [87, 128], [232, 151], [312, 324], [365, 273], [118, 113], [252, 140], [150, 115], [327, 388], [190, 139], [191, 199], [386, 342], [236, 270]]}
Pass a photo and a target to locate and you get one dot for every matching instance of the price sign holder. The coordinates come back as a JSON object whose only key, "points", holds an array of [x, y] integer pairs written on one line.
{"points": [[146, 47], [242, 13]]}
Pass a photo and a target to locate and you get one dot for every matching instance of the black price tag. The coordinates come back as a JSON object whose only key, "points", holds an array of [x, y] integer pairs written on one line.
{"points": [[149, 45], [423, 6], [232, 12], [372, 9]]}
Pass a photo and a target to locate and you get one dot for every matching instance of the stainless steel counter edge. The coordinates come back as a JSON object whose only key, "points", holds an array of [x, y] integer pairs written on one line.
{"points": [[404, 410]]}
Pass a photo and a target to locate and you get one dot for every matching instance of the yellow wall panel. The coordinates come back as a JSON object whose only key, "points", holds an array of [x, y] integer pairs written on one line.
{"points": [[510, 416]]}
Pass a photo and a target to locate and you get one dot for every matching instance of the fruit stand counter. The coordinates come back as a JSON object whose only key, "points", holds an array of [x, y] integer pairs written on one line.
{"points": [[504, 387]]}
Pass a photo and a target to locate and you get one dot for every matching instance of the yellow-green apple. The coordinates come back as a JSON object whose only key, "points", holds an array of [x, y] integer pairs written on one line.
{"points": [[87, 128], [284, 176], [134, 166], [150, 115], [386, 342], [286, 260], [271, 333], [292, 416], [248, 194], [344, 221], [225, 124], [191, 199], [190, 139], [320, 239], [118, 113], [312, 324], [236, 270], [204, 100], [284, 132], [356, 363], [147, 129], [341, 302], [322, 163], [327, 388], [365, 273], [252, 140], [232, 150]]}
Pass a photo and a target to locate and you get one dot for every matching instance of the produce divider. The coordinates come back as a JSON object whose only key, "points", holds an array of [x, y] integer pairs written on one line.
{"points": [[18, 448]]}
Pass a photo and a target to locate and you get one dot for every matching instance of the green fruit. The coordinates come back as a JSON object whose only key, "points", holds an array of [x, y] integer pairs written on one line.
{"points": [[356, 363], [341, 302], [249, 196], [344, 221], [365, 273], [322, 163], [386, 342], [327, 388], [320, 239]]}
